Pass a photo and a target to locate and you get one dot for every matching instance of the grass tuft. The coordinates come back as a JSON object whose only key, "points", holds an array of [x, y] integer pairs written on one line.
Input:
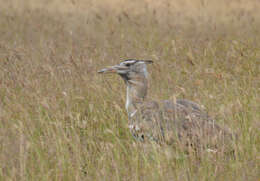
{"points": [[60, 120]]}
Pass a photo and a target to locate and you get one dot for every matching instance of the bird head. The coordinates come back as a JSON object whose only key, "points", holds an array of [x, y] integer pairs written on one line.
{"points": [[129, 69]]}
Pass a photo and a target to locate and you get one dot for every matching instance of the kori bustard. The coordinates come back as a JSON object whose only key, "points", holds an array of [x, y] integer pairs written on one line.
{"points": [[168, 121]]}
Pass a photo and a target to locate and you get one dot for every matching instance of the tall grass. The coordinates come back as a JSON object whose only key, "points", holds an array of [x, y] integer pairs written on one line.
{"points": [[62, 121]]}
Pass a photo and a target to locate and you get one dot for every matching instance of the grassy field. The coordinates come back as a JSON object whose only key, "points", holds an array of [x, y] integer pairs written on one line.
{"points": [[60, 120]]}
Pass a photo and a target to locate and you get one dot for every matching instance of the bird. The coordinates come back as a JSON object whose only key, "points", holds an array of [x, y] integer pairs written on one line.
{"points": [[173, 121]]}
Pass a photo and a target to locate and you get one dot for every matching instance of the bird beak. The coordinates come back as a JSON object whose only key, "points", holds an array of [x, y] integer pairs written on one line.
{"points": [[113, 69], [107, 70]]}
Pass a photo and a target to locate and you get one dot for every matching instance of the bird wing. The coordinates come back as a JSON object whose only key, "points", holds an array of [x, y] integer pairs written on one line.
{"points": [[176, 121]]}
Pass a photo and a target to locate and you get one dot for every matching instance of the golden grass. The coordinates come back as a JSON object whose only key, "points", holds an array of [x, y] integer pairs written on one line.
{"points": [[60, 120]]}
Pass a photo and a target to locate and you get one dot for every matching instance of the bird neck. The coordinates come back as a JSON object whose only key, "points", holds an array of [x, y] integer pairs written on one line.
{"points": [[135, 94]]}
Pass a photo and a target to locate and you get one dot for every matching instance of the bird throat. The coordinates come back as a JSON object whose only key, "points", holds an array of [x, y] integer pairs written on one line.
{"points": [[136, 92]]}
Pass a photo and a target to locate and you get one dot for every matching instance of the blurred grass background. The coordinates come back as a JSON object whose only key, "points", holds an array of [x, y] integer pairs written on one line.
{"points": [[62, 121]]}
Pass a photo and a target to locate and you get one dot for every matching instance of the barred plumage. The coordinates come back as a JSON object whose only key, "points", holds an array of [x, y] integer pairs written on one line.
{"points": [[168, 121]]}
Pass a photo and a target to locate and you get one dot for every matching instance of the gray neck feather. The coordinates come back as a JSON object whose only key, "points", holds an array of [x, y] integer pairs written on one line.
{"points": [[135, 93]]}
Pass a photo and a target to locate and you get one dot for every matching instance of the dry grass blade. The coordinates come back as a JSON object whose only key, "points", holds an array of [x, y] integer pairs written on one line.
{"points": [[60, 120]]}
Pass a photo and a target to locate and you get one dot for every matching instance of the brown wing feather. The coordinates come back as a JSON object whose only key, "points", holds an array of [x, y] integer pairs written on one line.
{"points": [[181, 121]]}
